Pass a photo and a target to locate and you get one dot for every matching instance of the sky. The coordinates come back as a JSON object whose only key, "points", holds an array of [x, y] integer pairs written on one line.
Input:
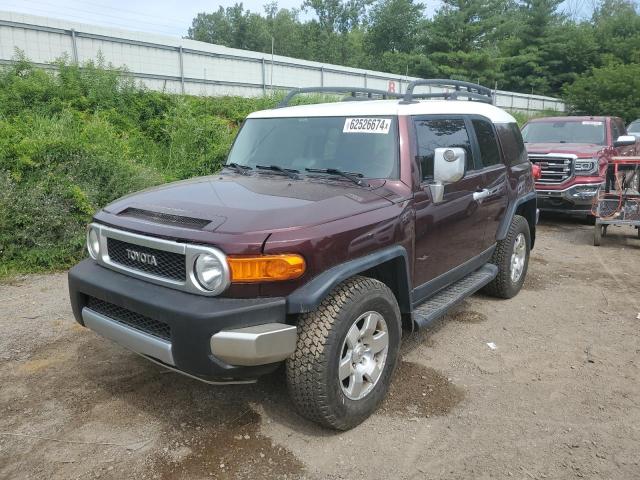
{"points": [[169, 17]]}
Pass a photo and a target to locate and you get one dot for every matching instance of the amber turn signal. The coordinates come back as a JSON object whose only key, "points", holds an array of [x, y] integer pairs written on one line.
{"points": [[266, 268]]}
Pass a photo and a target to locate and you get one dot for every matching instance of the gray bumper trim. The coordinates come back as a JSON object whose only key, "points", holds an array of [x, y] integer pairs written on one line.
{"points": [[128, 337], [257, 345]]}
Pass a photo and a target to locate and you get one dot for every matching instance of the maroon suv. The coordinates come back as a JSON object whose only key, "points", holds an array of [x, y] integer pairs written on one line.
{"points": [[330, 228], [574, 153]]}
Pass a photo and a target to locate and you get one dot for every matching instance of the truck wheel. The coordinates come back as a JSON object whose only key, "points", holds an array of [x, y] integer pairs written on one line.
{"points": [[346, 353], [511, 256]]}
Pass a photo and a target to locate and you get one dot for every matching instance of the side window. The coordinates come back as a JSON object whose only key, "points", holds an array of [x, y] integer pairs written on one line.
{"points": [[489, 152], [615, 130], [512, 144], [440, 133]]}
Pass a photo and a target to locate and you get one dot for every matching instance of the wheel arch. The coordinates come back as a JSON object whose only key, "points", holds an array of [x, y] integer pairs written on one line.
{"points": [[526, 207], [389, 265]]}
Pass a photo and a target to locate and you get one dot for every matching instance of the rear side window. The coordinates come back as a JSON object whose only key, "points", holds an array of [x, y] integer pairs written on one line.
{"points": [[489, 152], [440, 133], [512, 145]]}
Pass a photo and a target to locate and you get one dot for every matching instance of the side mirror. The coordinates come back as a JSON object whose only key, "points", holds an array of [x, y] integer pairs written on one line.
{"points": [[448, 167], [625, 141], [448, 164]]}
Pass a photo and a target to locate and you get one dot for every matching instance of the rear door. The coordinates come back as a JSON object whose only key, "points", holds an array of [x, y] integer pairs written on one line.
{"points": [[449, 233], [493, 197]]}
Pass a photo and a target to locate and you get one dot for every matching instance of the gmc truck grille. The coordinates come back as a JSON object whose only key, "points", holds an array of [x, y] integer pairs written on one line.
{"points": [[554, 169], [130, 319], [149, 260]]}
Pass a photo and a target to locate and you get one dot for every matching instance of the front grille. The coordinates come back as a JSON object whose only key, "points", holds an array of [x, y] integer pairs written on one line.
{"points": [[166, 218], [129, 318], [167, 264], [554, 170]]}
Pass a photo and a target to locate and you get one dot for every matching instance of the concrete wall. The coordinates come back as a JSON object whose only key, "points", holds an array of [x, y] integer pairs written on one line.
{"points": [[197, 68]]}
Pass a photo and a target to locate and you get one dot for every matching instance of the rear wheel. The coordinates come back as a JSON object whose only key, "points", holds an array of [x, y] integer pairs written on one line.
{"points": [[346, 353], [511, 256]]}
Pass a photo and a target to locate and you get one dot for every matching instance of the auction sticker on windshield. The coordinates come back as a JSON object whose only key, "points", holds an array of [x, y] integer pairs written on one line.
{"points": [[366, 125]]}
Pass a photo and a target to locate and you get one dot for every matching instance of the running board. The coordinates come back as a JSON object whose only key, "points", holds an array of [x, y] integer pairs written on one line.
{"points": [[439, 304]]}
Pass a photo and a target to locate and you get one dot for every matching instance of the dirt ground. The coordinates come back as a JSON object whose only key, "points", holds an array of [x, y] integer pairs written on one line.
{"points": [[559, 396]]}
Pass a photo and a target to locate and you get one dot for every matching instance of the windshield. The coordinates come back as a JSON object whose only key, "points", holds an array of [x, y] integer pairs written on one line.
{"points": [[362, 145], [634, 127], [588, 131]]}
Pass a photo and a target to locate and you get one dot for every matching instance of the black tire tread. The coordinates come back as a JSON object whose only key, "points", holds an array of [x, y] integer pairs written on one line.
{"points": [[499, 286], [305, 369]]}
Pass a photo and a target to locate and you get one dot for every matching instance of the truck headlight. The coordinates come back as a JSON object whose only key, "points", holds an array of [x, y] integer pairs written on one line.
{"points": [[212, 272], [587, 166], [93, 242]]}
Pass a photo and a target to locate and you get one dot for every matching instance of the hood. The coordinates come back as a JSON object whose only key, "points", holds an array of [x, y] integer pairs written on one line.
{"points": [[579, 149], [254, 203]]}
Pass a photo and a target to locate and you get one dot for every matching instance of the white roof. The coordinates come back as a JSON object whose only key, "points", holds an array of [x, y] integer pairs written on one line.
{"points": [[389, 107]]}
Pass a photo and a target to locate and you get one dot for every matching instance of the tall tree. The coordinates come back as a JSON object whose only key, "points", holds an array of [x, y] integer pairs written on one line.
{"points": [[617, 30], [523, 53], [393, 26]]}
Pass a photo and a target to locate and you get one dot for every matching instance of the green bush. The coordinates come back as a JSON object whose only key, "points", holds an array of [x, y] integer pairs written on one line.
{"points": [[610, 90], [75, 140]]}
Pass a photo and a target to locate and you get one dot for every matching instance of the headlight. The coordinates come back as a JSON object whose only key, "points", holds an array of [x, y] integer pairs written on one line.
{"points": [[93, 242], [212, 273], [586, 166]]}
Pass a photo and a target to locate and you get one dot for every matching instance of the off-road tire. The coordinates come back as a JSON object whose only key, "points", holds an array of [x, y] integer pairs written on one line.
{"points": [[312, 371], [502, 286]]}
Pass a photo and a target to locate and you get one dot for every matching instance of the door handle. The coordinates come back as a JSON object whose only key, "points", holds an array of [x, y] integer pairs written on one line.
{"points": [[481, 194]]}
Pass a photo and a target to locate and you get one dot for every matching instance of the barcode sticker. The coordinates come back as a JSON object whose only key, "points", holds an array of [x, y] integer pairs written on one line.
{"points": [[366, 125], [591, 122]]}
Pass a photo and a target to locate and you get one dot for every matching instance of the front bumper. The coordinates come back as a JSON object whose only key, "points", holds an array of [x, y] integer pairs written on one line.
{"points": [[576, 199], [213, 339]]}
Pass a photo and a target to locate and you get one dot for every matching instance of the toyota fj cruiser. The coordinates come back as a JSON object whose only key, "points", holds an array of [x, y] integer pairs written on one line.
{"points": [[330, 227]]}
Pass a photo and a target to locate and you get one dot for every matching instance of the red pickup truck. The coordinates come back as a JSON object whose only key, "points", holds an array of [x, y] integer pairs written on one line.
{"points": [[574, 153]]}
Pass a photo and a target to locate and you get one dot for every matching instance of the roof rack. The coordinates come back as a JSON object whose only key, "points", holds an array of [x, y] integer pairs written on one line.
{"points": [[356, 93], [470, 91]]}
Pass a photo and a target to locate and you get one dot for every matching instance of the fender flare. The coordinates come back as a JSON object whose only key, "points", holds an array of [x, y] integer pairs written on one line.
{"points": [[309, 296], [503, 228]]}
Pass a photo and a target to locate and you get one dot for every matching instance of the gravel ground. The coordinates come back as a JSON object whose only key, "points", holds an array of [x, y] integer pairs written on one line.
{"points": [[557, 398]]}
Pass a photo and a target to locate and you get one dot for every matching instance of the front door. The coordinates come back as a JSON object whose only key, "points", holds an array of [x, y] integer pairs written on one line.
{"points": [[449, 233]]}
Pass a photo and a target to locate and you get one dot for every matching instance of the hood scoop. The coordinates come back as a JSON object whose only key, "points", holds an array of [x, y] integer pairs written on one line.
{"points": [[171, 219]]}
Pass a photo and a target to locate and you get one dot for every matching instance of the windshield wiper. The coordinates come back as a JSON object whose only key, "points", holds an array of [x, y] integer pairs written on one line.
{"points": [[289, 172], [238, 168], [334, 171]]}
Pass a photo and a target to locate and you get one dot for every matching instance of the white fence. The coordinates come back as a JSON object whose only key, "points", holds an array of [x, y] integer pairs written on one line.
{"points": [[197, 68]]}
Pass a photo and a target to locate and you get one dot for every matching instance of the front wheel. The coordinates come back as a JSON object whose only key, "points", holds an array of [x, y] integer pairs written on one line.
{"points": [[346, 353], [511, 256]]}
